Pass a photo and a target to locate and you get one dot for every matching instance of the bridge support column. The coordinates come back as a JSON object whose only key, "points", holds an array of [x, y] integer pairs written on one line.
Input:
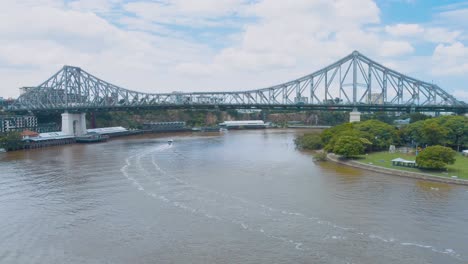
{"points": [[354, 116], [74, 124]]}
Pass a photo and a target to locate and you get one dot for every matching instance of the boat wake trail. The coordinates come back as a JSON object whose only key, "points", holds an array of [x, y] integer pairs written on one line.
{"points": [[293, 228]]}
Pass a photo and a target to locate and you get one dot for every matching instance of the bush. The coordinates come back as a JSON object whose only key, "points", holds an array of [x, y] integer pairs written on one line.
{"points": [[11, 141], [310, 141], [349, 146], [435, 157], [320, 156]]}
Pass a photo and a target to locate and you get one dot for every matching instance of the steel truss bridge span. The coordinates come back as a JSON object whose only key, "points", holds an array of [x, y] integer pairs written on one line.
{"points": [[354, 82]]}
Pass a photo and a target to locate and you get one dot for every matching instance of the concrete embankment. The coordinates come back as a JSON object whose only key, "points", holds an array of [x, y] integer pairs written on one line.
{"points": [[401, 173]]}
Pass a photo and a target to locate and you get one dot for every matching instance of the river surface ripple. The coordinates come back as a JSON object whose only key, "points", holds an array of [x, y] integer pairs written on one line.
{"points": [[234, 197]]}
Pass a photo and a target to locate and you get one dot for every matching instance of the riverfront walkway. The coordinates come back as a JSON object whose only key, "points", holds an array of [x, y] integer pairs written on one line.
{"points": [[396, 172]]}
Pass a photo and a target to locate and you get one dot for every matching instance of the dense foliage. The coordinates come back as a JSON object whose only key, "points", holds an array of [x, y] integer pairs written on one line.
{"points": [[435, 157], [348, 146], [380, 134], [373, 134], [351, 139], [444, 130], [309, 141], [11, 141]]}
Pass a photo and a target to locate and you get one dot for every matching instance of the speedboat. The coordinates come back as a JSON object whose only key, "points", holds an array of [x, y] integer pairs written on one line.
{"points": [[170, 141]]}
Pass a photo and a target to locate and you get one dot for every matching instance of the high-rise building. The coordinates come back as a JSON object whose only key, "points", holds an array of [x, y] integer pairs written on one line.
{"points": [[17, 123]]}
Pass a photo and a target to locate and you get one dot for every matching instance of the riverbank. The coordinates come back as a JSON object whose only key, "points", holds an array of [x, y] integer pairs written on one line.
{"points": [[459, 168], [396, 172], [142, 196]]}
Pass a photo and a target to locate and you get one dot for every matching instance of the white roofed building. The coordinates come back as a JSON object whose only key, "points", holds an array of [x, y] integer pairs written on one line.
{"points": [[243, 124]]}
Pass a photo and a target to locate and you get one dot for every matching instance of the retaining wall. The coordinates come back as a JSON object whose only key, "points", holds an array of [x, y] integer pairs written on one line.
{"points": [[401, 173]]}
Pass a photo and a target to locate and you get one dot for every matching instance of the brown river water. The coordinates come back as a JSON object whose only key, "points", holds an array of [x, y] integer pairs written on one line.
{"points": [[232, 197]]}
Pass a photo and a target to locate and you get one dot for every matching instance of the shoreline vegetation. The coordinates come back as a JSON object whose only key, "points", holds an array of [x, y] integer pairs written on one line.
{"points": [[397, 171], [372, 145]]}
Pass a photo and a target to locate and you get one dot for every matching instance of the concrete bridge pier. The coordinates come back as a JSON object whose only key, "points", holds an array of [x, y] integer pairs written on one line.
{"points": [[354, 116], [74, 124]]}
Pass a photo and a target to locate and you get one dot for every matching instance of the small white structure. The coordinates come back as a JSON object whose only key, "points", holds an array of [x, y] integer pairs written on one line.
{"points": [[107, 130], [403, 162], [243, 124], [354, 116], [465, 152], [51, 136]]}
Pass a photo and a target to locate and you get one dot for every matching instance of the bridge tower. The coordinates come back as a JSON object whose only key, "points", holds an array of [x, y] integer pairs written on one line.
{"points": [[74, 124], [354, 116]]}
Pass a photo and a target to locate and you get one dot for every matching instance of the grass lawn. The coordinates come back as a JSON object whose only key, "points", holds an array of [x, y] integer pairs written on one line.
{"points": [[384, 159]]}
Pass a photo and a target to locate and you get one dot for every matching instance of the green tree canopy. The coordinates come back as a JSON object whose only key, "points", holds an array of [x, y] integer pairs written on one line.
{"points": [[435, 157], [381, 134], [412, 133], [329, 133], [415, 117], [11, 141], [450, 130], [339, 134], [433, 133], [348, 146], [457, 129], [309, 141]]}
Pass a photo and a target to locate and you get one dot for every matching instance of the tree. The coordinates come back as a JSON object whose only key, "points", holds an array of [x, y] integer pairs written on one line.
{"points": [[381, 134], [433, 133], [412, 133], [426, 132], [415, 117], [348, 146], [11, 141], [457, 127], [329, 133], [435, 157], [309, 141]]}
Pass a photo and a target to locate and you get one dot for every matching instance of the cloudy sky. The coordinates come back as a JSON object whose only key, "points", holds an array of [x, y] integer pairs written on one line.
{"points": [[205, 45]]}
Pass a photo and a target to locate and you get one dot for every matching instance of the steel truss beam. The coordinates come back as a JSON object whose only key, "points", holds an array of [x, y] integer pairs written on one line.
{"points": [[352, 81]]}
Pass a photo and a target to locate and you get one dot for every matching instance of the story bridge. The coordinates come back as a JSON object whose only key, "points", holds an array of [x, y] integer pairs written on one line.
{"points": [[354, 83]]}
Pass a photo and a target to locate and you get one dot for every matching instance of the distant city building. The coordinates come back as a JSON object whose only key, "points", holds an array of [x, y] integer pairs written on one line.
{"points": [[17, 123]]}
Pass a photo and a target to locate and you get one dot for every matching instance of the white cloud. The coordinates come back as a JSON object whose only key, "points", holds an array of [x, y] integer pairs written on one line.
{"points": [[441, 35], [208, 44], [450, 59], [300, 35], [404, 30], [458, 16], [44, 38], [395, 48], [426, 33], [188, 13], [93, 5]]}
